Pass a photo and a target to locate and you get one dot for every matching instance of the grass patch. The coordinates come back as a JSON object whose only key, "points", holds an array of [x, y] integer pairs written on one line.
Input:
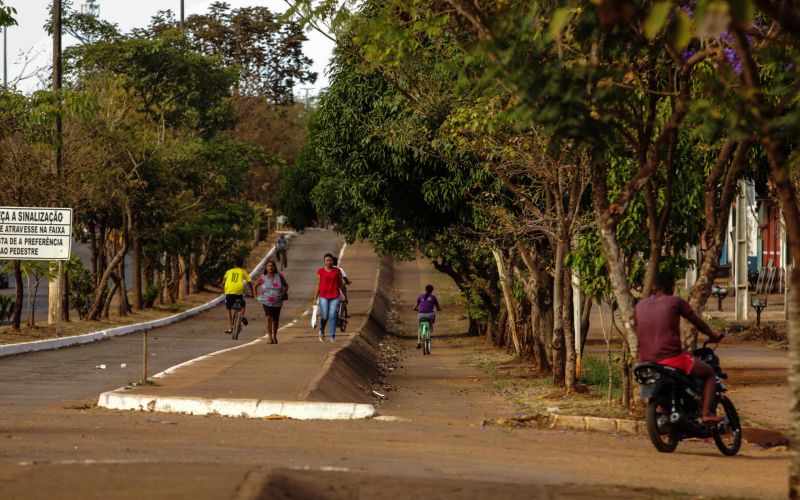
{"points": [[594, 374], [530, 392]]}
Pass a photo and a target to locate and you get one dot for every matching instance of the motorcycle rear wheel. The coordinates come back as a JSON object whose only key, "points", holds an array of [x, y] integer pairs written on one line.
{"points": [[664, 442], [730, 440]]}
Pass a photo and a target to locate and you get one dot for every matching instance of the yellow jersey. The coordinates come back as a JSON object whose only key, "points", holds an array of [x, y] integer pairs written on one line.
{"points": [[234, 281]]}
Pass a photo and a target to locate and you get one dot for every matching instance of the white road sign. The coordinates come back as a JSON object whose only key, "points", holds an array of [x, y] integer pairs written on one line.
{"points": [[28, 233]]}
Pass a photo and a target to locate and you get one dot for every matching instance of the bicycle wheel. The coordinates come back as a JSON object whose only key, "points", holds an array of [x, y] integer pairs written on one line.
{"points": [[237, 324], [426, 339], [341, 320], [728, 434]]}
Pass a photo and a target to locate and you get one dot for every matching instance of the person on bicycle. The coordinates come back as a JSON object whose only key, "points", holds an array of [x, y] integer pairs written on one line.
{"points": [[282, 245], [427, 304], [273, 291], [233, 283], [657, 320], [330, 290]]}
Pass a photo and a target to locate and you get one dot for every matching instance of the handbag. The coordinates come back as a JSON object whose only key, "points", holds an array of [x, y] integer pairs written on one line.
{"points": [[314, 312], [285, 295]]}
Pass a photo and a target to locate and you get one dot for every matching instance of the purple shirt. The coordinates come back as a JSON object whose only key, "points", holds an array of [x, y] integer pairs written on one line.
{"points": [[427, 305], [658, 326]]}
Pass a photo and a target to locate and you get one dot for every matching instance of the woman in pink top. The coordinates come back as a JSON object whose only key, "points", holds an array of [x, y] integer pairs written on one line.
{"points": [[330, 291]]}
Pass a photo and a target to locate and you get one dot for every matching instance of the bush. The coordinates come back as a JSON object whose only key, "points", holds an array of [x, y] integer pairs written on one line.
{"points": [[150, 295], [81, 287], [6, 307]]}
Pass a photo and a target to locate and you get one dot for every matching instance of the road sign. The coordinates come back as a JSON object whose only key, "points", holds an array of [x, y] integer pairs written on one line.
{"points": [[31, 233]]}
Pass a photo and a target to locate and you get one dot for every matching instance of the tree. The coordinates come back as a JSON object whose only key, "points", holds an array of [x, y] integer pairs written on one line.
{"points": [[267, 50]]}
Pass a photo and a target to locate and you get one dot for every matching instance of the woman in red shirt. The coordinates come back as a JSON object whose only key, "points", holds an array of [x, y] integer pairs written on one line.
{"points": [[330, 286]]}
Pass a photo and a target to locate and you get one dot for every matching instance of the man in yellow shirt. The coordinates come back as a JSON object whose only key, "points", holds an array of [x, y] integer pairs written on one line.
{"points": [[234, 281]]}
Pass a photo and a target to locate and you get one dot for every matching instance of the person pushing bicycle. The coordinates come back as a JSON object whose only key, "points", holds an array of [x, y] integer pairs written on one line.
{"points": [[282, 246], [233, 283], [427, 304]]}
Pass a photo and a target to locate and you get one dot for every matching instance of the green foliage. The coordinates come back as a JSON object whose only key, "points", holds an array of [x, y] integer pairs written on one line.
{"points": [[81, 286], [172, 82], [266, 50], [296, 185], [7, 15], [150, 294], [594, 373], [6, 307]]}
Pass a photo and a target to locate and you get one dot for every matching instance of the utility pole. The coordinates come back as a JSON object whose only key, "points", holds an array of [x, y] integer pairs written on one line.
{"points": [[182, 13], [57, 73], [57, 291]]}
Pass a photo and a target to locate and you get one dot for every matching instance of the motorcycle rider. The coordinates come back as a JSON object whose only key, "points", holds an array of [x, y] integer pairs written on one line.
{"points": [[657, 320]]}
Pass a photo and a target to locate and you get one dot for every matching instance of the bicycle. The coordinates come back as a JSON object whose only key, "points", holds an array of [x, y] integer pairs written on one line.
{"points": [[425, 333], [237, 319], [341, 319]]}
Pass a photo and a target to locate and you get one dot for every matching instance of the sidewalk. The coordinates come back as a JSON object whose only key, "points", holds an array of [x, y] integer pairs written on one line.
{"points": [[258, 379]]}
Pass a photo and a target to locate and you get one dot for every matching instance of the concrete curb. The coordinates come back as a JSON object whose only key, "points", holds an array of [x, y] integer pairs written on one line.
{"points": [[42, 345], [597, 424], [554, 421], [246, 408]]}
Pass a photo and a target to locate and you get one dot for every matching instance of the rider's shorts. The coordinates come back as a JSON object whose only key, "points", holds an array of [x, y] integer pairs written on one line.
{"points": [[683, 362], [429, 316], [231, 299]]}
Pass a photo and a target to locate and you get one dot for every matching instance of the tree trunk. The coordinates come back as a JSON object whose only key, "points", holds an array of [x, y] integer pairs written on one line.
{"points": [[136, 268], [97, 304], [509, 302], [109, 298], [166, 279], [570, 377], [65, 297], [194, 274], [791, 211], [175, 280], [183, 266], [16, 317], [31, 295], [501, 327], [794, 384], [558, 345], [124, 306]]}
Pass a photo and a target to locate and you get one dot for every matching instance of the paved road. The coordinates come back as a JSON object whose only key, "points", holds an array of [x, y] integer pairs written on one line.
{"points": [[70, 377]]}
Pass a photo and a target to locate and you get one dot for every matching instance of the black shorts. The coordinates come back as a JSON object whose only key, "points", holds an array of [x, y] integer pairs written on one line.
{"points": [[272, 312], [230, 299]]}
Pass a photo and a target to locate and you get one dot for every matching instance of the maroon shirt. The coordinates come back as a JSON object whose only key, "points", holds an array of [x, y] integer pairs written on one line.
{"points": [[658, 321]]}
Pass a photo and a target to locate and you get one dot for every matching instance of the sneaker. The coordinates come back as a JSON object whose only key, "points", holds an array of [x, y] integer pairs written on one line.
{"points": [[419, 345], [333, 338], [244, 321], [227, 332], [321, 338]]}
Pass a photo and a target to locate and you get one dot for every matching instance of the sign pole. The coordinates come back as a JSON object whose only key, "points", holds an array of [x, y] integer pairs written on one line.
{"points": [[59, 302], [144, 357]]}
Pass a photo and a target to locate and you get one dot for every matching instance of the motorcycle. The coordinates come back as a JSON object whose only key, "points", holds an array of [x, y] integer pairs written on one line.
{"points": [[674, 406]]}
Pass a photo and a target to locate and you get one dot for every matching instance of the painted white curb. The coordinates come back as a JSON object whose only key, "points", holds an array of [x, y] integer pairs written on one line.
{"points": [[246, 408], [42, 345]]}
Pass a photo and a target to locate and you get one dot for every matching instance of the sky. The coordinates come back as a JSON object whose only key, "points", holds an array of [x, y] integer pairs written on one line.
{"points": [[30, 48]]}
